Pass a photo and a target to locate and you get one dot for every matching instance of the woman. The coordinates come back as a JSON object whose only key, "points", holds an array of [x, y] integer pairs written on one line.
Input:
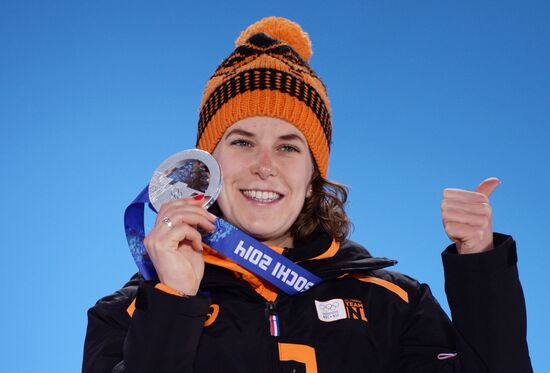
{"points": [[265, 117]]}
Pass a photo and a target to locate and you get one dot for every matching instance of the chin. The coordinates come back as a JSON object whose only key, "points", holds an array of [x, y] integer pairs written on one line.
{"points": [[258, 231]]}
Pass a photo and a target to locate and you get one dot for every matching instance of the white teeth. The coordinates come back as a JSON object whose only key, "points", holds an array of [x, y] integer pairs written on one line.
{"points": [[262, 195]]}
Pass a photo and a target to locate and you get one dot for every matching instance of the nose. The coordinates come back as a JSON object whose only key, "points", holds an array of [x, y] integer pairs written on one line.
{"points": [[264, 165]]}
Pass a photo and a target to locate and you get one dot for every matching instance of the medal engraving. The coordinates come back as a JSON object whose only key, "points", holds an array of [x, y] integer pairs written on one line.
{"points": [[183, 175]]}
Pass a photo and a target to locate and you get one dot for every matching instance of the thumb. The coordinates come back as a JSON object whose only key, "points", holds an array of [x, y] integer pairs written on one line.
{"points": [[487, 186]]}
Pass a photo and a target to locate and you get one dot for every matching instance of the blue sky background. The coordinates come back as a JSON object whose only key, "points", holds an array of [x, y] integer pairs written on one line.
{"points": [[95, 94]]}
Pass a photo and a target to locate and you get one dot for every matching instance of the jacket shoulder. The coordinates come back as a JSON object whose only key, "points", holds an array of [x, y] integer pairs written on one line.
{"points": [[108, 321], [374, 271], [113, 306], [400, 285]]}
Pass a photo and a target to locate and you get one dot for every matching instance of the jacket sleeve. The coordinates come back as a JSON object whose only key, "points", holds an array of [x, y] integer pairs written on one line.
{"points": [[488, 331], [161, 336], [488, 306]]}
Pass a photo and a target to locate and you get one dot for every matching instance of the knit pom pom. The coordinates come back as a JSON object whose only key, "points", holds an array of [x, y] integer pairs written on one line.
{"points": [[281, 29]]}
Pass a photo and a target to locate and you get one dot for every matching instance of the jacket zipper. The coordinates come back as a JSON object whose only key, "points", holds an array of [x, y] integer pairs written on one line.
{"points": [[274, 327], [275, 332]]}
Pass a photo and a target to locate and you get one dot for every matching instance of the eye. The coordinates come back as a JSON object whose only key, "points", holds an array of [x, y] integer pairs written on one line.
{"points": [[289, 148], [241, 143]]}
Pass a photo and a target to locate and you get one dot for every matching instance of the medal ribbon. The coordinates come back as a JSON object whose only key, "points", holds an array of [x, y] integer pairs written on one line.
{"points": [[228, 241]]}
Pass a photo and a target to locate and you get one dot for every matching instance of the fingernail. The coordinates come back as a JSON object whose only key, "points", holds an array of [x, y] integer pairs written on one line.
{"points": [[198, 197]]}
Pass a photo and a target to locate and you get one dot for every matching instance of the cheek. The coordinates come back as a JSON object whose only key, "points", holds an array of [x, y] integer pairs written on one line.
{"points": [[224, 204], [228, 170], [227, 196], [232, 165], [301, 178], [228, 178]]}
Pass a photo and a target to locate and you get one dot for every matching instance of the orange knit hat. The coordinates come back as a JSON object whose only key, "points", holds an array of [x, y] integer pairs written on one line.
{"points": [[268, 75]]}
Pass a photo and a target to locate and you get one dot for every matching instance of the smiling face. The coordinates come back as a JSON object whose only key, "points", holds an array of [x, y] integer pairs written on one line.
{"points": [[267, 169]]}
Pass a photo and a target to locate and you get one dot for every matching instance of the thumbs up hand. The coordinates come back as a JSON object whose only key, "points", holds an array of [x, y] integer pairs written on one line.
{"points": [[467, 217]]}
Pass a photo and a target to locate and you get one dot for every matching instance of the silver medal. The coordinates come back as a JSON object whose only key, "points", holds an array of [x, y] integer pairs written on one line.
{"points": [[186, 174]]}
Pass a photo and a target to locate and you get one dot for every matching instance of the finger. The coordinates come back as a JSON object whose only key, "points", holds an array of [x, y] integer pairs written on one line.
{"points": [[182, 203], [169, 222], [181, 210], [172, 210], [176, 213], [196, 241], [464, 196], [457, 232], [483, 209], [193, 238], [191, 201], [194, 220], [459, 216], [487, 186], [178, 234]]}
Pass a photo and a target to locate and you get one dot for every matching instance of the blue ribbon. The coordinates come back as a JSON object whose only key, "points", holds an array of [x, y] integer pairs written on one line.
{"points": [[135, 233], [228, 241]]}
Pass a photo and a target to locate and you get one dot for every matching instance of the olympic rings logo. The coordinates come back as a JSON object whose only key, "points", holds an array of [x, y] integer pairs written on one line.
{"points": [[329, 307]]}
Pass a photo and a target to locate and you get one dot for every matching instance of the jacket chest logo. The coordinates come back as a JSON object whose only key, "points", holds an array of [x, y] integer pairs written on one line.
{"points": [[212, 314], [339, 309]]}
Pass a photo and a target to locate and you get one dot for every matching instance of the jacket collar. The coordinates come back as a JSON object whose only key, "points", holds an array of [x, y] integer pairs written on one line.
{"points": [[350, 258], [320, 254]]}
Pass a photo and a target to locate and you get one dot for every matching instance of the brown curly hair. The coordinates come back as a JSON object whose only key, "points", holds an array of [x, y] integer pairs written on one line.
{"points": [[325, 209]]}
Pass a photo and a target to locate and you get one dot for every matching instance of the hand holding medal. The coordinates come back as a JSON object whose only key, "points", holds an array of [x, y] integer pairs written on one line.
{"points": [[181, 190]]}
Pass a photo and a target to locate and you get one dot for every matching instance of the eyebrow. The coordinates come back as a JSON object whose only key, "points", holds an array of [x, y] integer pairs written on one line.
{"points": [[241, 132], [292, 136]]}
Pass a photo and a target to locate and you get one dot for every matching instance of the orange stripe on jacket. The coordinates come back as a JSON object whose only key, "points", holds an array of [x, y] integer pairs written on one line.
{"points": [[331, 251], [385, 284], [131, 308]]}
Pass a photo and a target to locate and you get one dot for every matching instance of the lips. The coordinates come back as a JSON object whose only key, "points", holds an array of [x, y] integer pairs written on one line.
{"points": [[261, 195]]}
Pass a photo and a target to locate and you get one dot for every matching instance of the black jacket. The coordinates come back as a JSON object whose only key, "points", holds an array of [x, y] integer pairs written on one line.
{"points": [[362, 318]]}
